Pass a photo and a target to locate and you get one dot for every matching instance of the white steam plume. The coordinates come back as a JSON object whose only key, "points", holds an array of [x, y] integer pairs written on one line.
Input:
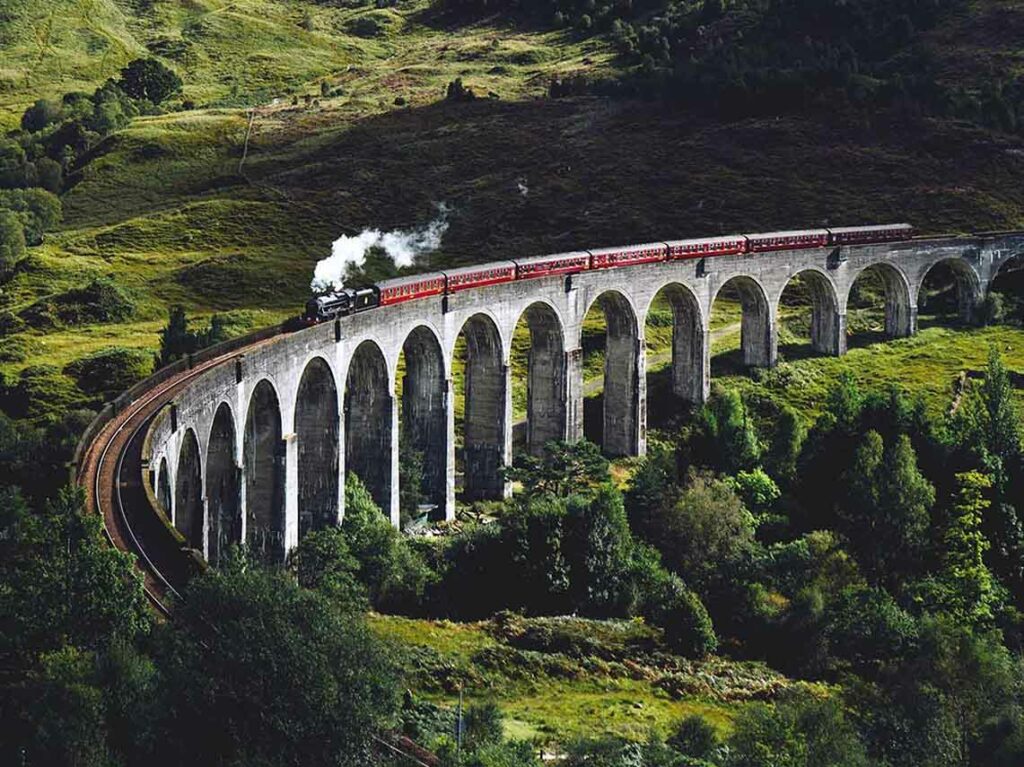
{"points": [[404, 246]]}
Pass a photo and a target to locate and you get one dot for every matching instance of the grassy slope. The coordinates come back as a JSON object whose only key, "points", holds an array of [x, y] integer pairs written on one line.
{"points": [[552, 696]]}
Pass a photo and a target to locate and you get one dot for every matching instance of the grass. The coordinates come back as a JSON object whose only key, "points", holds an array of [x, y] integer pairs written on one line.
{"points": [[623, 683]]}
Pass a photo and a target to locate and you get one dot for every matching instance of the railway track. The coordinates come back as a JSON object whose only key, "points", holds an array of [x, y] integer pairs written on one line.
{"points": [[110, 473]]}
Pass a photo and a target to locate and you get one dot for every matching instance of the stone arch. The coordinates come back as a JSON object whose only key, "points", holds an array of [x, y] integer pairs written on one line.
{"points": [[316, 426], [828, 336], [263, 460], [163, 488], [368, 422], [757, 329], [485, 427], [621, 430], [900, 315], [424, 422], [222, 486], [966, 282], [545, 377], [188, 492], [690, 375]]}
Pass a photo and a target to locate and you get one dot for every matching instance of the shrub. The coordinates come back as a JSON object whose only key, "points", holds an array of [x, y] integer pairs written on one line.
{"points": [[12, 241], [40, 115], [99, 301], [149, 80], [110, 371], [694, 737], [682, 616]]}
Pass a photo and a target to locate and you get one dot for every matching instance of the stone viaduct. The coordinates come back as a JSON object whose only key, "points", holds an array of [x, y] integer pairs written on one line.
{"points": [[257, 449]]}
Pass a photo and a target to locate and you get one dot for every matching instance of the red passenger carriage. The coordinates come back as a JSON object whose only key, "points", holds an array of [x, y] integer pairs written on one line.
{"points": [[410, 288], [546, 266], [631, 255], [708, 246], [793, 240], [478, 276]]}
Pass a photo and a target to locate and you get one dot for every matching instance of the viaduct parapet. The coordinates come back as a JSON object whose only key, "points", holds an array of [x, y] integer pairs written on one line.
{"points": [[257, 448]]}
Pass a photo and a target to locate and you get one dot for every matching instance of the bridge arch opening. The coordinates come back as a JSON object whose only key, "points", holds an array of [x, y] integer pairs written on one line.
{"points": [[222, 486], [539, 358], [879, 284], [263, 461], [808, 311], [188, 492], [163, 487], [317, 426], [480, 382], [610, 326], [423, 424], [674, 319], [757, 342], [1005, 289], [950, 288], [368, 422]]}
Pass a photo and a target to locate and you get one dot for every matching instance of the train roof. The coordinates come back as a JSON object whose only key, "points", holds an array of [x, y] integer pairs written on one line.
{"points": [[627, 248], [410, 279], [698, 240], [870, 228], [552, 257], [479, 268], [787, 233]]}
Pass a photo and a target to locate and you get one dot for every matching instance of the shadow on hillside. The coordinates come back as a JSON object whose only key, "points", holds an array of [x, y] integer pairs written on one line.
{"points": [[559, 174]]}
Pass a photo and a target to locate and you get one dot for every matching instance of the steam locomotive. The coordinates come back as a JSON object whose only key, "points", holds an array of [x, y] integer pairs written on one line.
{"points": [[418, 286]]}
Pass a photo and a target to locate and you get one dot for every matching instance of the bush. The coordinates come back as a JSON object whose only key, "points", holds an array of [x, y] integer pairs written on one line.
{"points": [[12, 241], [39, 210], [110, 371], [100, 301], [682, 616], [149, 80], [40, 115], [394, 574], [694, 737]]}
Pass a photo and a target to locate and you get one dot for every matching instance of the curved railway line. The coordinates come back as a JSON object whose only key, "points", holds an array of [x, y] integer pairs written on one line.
{"points": [[110, 471]]}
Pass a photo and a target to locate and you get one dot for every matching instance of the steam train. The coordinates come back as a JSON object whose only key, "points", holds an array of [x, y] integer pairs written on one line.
{"points": [[396, 291]]}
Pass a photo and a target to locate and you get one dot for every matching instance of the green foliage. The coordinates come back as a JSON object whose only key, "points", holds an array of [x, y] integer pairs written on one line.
{"points": [[149, 80], [565, 468], [99, 301], [964, 588], [12, 241], [726, 438], [41, 393], [800, 732], [410, 481], [682, 616], [323, 562], [393, 573], [756, 489], [322, 684], [111, 371], [598, 549], [885, 513], [38, 209], [60, 583], [177, 340], [40, 115], [706, 528], [695, 737]]}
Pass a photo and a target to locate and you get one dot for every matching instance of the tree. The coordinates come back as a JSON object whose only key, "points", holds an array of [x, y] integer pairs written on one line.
{"points": [[695, 737], [62, 583], [884, 513], [149, 80], [39, 211], [12, 241], [323, 562], [39, 115], [707, 528], [964, 589], [393, 573], [565, 468], [258, 670], [727, 438], [598, 550]]}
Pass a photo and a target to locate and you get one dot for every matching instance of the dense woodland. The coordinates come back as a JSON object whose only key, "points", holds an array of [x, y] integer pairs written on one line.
{"points": [[870, 553]]}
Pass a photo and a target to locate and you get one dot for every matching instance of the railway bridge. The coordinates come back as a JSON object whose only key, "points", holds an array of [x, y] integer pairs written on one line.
{"points": [[252, 442]]}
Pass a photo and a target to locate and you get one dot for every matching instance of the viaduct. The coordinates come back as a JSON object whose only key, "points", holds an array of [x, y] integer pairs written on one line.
{"points": [[253, 442]]}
